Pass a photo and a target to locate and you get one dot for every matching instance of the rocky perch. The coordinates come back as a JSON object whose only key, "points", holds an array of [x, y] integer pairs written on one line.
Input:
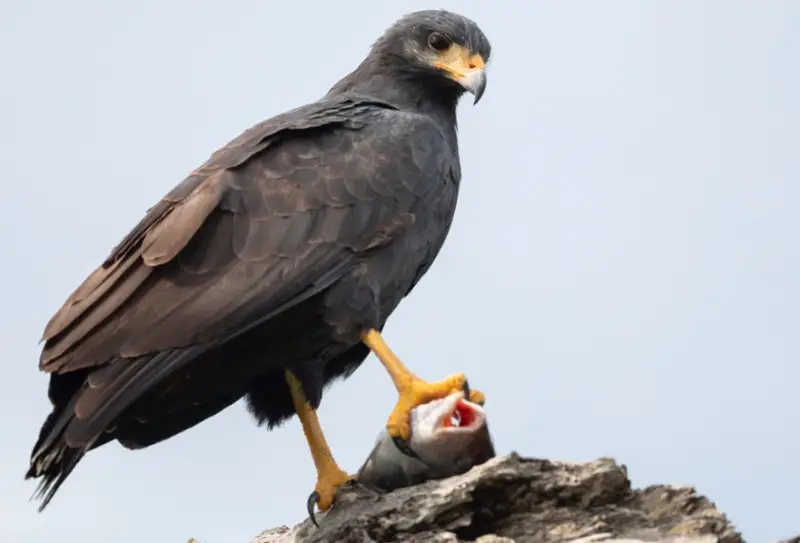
{"points": [[515, 499]]}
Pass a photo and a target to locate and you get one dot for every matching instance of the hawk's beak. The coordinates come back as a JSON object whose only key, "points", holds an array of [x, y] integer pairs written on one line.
{"points": [[468, 69], [475, 83]]}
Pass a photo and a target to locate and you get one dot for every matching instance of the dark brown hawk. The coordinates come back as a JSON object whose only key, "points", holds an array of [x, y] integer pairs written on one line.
{"points": [[272, 268]]}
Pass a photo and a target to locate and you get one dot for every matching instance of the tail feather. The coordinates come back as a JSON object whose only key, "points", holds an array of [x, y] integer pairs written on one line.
{"points": [[54, 468], [52, 459], [86, 409]]}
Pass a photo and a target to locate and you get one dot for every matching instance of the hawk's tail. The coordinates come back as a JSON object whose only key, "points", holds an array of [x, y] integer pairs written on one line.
{"points": [[52, 459]]}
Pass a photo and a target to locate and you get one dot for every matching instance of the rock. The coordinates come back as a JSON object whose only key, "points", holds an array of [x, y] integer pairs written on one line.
{"points": [[518, 500]]}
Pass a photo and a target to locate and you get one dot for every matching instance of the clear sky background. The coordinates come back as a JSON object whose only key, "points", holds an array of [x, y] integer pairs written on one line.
{"points": [[621, 278]]}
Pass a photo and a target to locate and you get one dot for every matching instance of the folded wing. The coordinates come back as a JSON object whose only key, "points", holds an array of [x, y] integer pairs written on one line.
{"points": [[269, 220]]}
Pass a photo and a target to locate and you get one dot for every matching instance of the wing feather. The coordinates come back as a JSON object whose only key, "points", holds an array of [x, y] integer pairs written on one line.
{"points": [[258, 227], [166, 238]]}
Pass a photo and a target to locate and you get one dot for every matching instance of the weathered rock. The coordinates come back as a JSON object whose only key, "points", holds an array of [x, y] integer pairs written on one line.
{"points": [[513, 499]]}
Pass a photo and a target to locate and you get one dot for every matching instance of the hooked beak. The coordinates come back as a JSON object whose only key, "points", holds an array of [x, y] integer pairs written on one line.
{"points": [[475, 83], [467, 69]]}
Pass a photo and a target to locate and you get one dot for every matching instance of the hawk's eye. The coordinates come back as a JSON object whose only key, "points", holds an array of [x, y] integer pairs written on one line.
{"points": [[438, 42]]}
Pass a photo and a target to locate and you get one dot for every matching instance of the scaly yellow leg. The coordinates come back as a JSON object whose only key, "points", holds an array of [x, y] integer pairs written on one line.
{"points": [[413, 390], [329, 475]]}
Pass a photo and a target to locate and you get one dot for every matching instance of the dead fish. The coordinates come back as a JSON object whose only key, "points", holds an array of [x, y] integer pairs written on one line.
{"points": [[448, 437]]}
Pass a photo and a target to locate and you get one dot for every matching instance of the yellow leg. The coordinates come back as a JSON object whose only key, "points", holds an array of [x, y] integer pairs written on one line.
{"points": [[413, 390], [329, 475]]}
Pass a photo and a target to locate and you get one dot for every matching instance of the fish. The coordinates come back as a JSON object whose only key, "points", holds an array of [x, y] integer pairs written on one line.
{"points": [[449, 436]]}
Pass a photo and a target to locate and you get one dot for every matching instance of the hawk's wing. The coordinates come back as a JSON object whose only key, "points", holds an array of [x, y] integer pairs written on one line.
{"points": [[271, 219]]}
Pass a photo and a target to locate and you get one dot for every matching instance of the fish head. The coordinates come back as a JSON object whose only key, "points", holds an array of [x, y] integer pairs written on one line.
{"points": [[448, 437], [451, 434]]}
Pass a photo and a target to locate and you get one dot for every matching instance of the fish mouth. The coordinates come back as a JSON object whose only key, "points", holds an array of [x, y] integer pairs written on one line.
{"points": [[459, 415]]}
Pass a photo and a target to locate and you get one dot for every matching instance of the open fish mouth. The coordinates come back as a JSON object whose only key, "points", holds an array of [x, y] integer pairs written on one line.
{"points": [[459, 415]]}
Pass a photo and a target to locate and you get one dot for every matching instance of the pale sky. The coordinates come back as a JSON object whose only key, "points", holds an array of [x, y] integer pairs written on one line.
{"points": [[621, 278]]}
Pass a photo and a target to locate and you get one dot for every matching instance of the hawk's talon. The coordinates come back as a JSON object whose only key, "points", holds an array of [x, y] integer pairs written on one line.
{"points": [[476, 396], [329, 481], [311, 503], [404, 447]]}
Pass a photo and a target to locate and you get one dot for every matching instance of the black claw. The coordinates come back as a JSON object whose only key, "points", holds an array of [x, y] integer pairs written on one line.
{"points": [[403, 446], [311, 505], [466, 390]]}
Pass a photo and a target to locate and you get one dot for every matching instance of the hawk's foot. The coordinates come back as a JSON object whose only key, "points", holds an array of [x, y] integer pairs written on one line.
{"points": [[329, 479], [415, 392]]}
